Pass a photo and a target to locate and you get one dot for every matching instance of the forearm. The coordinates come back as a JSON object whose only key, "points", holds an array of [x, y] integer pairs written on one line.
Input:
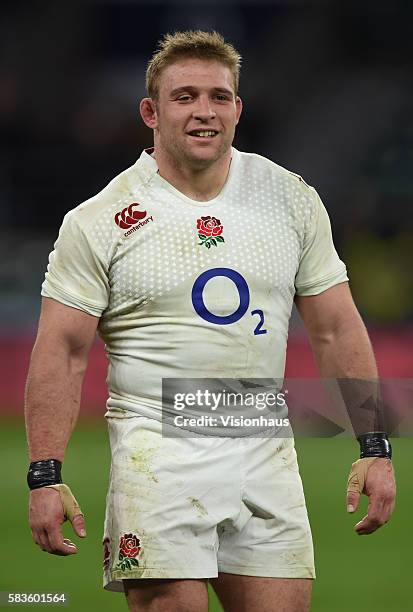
{"points": [[346, 358], [52, 404]]}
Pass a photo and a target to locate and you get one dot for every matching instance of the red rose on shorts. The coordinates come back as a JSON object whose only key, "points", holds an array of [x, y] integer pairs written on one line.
{"points": [[209, 231], [129, 546]]}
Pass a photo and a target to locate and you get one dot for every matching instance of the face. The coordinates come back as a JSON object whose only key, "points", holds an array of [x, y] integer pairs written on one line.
{"points": [[195, 116]]}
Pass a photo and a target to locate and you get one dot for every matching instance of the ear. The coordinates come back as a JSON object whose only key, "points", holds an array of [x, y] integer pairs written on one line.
{"points": [[238, 107], [147, 109]]}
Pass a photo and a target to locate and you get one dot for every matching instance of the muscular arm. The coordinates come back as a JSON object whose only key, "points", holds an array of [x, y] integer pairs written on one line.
{"points": [[337, 334], [54, 382], [53, 390], [342, 350]]}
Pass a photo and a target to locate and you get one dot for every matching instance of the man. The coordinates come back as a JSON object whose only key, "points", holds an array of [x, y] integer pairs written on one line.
{"points": [[188, 264]]}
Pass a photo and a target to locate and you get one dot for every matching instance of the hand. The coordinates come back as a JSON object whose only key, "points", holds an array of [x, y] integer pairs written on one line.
{"points": [[46, 515], [375, 478]]}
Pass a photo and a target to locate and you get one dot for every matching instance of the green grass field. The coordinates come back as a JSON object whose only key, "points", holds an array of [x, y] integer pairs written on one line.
{"points": [[355, 573]]}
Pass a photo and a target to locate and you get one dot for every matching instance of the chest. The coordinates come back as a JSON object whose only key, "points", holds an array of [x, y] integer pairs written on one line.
{"points": [[166, 251]]}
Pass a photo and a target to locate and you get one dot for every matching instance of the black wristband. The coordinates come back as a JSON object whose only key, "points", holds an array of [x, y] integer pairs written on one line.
{"points": [[44, 473], [375, 444]]}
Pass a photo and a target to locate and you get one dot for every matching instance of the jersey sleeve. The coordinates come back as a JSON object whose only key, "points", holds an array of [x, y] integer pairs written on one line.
{"points": [[76, 274], [320, 266]]}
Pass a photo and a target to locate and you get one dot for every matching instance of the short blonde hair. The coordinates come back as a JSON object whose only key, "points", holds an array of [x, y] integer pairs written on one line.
{"points": [[194, 44]]}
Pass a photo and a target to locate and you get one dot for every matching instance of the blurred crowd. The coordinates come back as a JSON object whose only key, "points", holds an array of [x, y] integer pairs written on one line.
{"points": [[328, 93]]}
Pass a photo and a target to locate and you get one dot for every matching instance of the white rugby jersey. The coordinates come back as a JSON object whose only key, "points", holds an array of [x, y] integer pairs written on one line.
{"points": [[193, 289]]}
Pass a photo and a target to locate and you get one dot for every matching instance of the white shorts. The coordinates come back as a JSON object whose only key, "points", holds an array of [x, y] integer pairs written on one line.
{"points": [[193, 507]]}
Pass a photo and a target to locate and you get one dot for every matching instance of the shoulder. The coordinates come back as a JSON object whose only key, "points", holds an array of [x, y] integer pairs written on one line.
{"points": [[279, 187], [102, 207], [252, 163]]}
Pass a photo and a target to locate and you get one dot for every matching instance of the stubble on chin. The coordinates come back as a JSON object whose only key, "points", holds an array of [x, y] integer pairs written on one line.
{"points": [[181, 154]]}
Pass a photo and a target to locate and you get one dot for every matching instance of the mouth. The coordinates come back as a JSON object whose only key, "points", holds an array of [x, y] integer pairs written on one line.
{"points": [[203, 134]]}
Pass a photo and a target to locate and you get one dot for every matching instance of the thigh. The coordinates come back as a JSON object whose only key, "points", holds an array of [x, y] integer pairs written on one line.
{"points": [[251, 593], [172, 595]]}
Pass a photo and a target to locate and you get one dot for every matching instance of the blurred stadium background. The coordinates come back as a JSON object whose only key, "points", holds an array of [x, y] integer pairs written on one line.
{"points": [[328, 93]]}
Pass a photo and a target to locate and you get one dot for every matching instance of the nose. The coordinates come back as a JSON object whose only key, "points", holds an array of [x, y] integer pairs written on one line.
{"points": [[204, 110]]}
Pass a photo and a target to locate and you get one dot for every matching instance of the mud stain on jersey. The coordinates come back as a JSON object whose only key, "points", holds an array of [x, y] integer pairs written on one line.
{"points": [[198, 506], [284, 457], [141, 460]]}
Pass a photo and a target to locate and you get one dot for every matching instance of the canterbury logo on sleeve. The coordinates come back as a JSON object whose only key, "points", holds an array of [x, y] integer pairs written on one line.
{"points": [[128, 216]]}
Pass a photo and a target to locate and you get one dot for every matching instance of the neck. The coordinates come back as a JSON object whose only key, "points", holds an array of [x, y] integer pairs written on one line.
{"points": [[197, 183]]}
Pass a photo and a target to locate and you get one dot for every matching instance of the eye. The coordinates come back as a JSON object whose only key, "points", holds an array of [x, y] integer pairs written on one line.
{"points": [[222, 97], [184, 98]]}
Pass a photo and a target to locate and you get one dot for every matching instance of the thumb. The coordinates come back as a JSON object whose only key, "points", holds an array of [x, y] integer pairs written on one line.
{"points": [[353, 499], [356, 481], [78, 524], [71, 508]]}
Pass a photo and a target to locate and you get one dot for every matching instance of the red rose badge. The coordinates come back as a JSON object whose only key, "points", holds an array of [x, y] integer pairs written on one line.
{"points": [[129, 549], [209, 231]]}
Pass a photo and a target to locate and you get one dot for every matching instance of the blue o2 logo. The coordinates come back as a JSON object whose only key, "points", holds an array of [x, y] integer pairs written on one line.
{"points": [[244, 299], [198, 300]]}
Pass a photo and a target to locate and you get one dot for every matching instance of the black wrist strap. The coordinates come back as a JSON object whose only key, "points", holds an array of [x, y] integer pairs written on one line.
{"points": [[44, 473], [375, 444]]}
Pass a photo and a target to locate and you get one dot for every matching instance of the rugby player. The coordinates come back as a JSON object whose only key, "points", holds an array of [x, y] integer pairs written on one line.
{"points": [[187, 264]]}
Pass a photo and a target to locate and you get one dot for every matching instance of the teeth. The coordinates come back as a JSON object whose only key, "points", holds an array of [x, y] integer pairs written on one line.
{"points": [[205, 133]]}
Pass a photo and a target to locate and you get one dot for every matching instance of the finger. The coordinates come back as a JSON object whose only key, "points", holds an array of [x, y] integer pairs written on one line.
{"points": [[70, 506], [78, 524], [35, 536], [379, 513], [353, 499], [39, 538], [366, 526], [59, 545], [392, 505], [375, 518], [44, 541], [357, 477], [388, 509]]}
